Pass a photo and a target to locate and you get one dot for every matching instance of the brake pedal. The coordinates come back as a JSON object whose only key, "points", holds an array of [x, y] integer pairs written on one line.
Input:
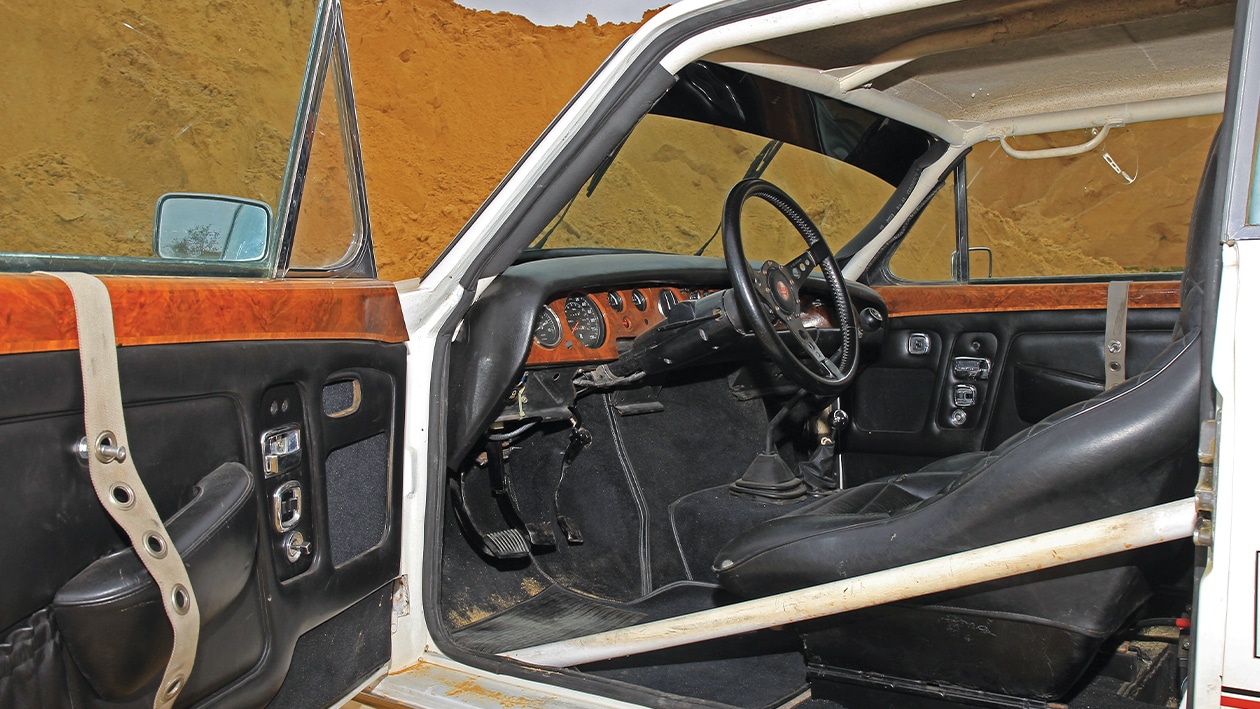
{"points": [[505, 544]]}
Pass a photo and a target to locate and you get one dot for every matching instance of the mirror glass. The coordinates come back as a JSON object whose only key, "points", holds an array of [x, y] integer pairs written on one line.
{"points": [[207, 227]]}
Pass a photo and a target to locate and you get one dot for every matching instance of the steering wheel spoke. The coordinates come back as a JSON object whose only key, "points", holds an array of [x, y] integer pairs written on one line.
{"points": [[762, 287], [799, 268], [806, 341]]}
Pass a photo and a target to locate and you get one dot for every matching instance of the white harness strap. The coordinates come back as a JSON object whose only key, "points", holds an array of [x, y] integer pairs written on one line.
{"points": [[118, 485], [1115, 338]]}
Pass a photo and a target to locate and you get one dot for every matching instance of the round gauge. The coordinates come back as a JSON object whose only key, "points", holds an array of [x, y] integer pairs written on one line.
{"points": [[547, 328], [615, 302], [585, 320], [639, 300], [666, 301]]}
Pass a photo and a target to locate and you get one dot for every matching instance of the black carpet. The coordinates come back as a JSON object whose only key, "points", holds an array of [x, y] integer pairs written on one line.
{"points": [[704, 521]]}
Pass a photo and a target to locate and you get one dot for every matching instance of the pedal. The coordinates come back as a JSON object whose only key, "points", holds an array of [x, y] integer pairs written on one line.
{"points": [[505, 544], [631, 402], [540, 534], [479, 515], [572, 534]]}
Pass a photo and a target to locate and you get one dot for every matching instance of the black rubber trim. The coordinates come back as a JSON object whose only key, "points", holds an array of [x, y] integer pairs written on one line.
{"points": [[895, 202], [878, 272]]}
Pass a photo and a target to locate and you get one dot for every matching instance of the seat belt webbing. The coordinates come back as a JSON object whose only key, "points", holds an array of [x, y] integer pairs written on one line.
{"points": [[118, 485], [1115, 337]]}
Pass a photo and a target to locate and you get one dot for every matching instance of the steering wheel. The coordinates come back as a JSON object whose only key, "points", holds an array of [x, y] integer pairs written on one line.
{"points": [[772, 293]]}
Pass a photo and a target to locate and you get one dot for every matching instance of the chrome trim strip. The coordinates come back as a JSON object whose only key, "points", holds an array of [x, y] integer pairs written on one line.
{"points": [[300, 144]]}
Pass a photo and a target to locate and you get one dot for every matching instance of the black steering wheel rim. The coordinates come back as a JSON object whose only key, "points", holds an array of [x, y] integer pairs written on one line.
{"points": [[774, 291]]}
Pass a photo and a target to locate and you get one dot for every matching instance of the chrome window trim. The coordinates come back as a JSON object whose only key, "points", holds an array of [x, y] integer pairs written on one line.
{"points": [[328, 43]]}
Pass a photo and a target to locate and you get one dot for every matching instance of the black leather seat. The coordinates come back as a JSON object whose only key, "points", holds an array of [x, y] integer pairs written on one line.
{"points": [[1031, 636]]}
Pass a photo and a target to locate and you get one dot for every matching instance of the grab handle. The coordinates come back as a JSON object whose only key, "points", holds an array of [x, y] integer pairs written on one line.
{"points": [[1063, 152]]}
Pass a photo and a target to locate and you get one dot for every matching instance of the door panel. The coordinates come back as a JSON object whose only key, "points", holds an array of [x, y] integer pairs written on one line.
{"points": [[1043, 345], [240, 359]]}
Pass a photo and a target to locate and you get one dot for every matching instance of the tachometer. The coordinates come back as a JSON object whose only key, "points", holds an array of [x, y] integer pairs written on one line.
{"points": [[585, 320], [547, 328]]}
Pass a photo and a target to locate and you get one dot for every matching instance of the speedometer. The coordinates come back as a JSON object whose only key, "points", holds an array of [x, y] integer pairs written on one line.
{"points": [[547, 328], [585, 320]]}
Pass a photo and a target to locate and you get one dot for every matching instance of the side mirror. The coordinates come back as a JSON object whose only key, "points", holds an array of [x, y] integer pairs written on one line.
{"points": [[207, 227]]}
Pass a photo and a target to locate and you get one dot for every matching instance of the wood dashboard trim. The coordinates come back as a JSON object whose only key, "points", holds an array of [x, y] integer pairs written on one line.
{"points": [[907, 301], [629, 322], [37, 312]]}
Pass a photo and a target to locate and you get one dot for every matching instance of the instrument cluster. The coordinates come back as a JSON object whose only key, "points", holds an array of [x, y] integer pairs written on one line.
{"points": [[585, 326]]}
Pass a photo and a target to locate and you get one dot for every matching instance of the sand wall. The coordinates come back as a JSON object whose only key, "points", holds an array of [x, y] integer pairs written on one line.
{"points": [[448, 100]]}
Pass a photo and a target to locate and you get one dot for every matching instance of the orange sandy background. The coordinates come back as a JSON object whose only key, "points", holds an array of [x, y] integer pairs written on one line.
{"points": [[448, 100], [111, 103]]}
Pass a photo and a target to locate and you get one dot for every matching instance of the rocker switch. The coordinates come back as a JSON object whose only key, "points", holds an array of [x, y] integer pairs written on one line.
{"points": [[964, 395], [287, 506]]}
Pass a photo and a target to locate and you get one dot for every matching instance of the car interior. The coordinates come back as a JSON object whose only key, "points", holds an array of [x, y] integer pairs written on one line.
{"points": [[746, 357]]}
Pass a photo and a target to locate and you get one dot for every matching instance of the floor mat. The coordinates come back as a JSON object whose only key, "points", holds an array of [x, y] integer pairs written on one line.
{"points": [[554, 614], [750, 671]]}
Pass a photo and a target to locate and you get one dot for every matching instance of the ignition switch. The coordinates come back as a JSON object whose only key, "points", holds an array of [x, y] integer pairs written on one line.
{"points": [[295, 545]]}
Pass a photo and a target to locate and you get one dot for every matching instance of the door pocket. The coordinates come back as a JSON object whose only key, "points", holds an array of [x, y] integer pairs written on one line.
{"points": [[1041, 391]]}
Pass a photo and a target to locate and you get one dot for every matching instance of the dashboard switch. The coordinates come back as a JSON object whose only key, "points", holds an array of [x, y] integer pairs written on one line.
{"points": [[918, 344]]}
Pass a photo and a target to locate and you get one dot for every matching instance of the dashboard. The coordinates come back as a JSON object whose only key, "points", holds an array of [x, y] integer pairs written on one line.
{"points": [[508, 328], [585, 326]]}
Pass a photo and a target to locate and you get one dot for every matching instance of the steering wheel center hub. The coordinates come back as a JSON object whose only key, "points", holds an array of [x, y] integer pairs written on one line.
{"points": [[781, 288]]}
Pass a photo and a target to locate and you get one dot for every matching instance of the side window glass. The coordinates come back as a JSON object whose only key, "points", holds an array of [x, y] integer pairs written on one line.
{"points": [[137, 145], [327, 228], [926, 252], [1121, 208]]}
